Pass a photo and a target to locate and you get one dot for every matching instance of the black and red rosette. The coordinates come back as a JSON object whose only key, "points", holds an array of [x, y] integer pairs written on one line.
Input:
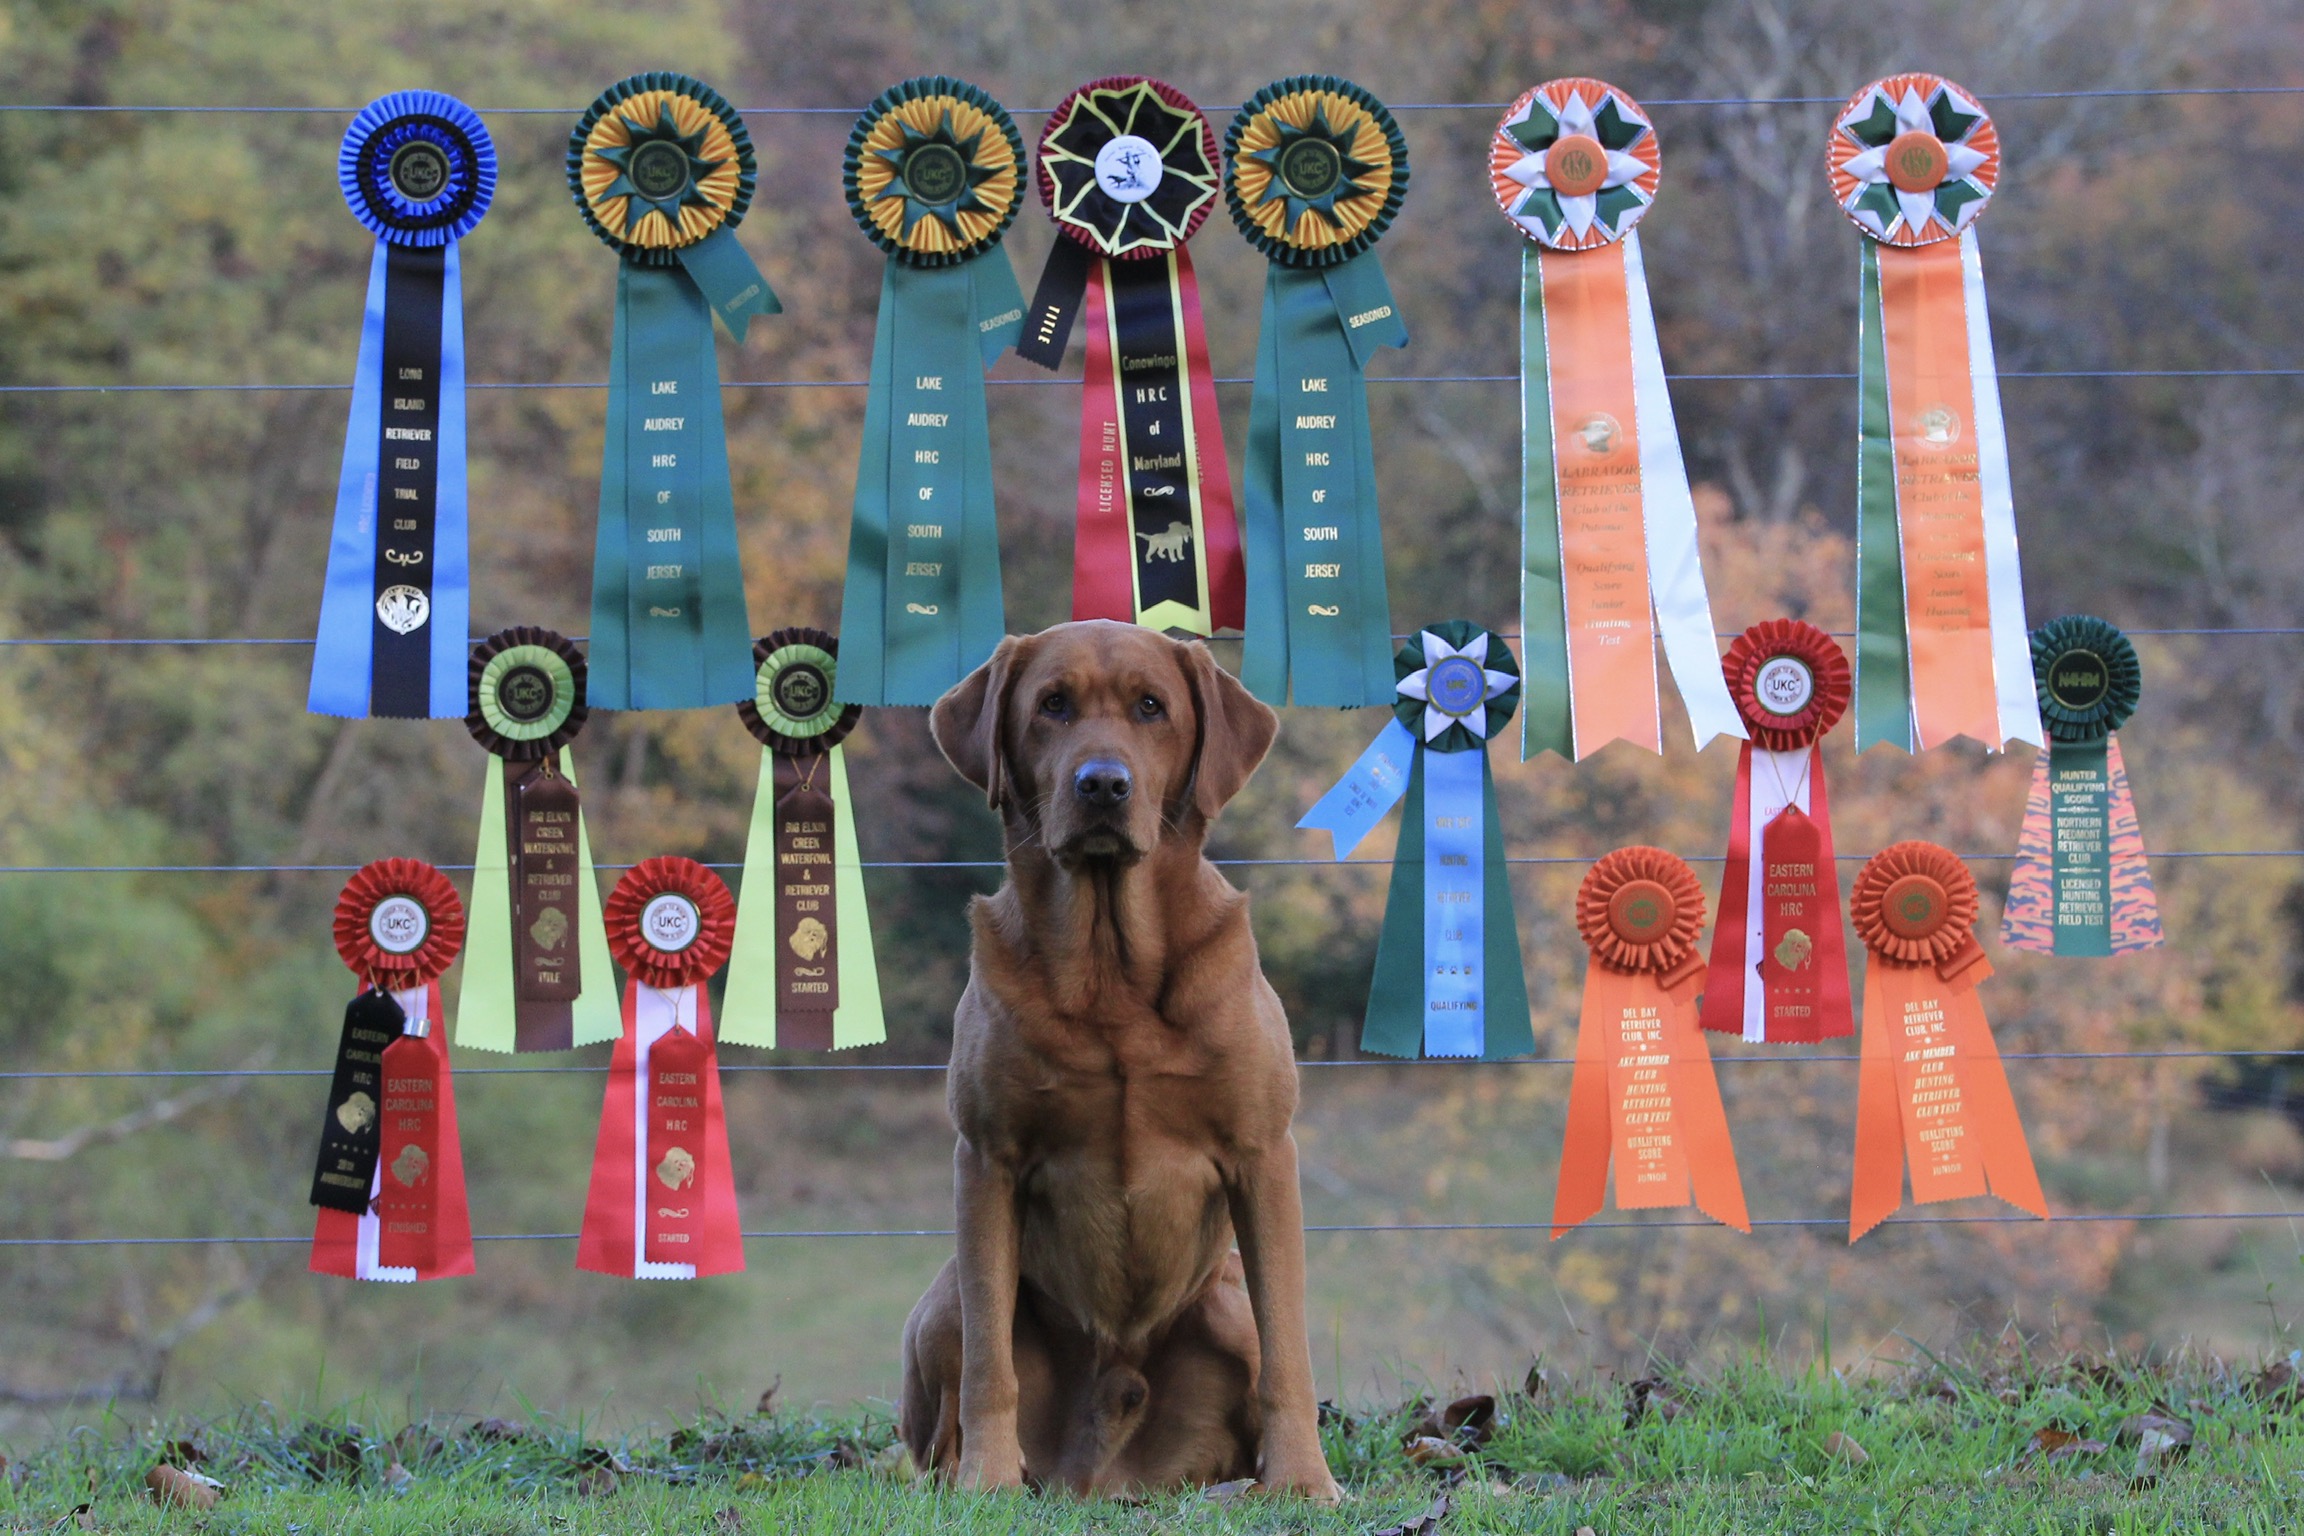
{"points": [[526, 693], [399, 924], [1128, 167], [671, 923], [1790, 683], [1641, 909]]}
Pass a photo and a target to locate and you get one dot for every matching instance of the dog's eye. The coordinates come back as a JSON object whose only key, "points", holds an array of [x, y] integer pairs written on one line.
{"points": [[1056, 706], [1149, 708]]}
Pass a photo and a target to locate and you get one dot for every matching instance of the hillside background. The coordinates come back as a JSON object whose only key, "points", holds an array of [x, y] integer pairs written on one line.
{"points": [[2131, 232]]}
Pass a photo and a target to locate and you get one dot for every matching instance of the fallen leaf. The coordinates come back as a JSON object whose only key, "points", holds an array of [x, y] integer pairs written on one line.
{"points": [[1585, 1530], [182, 1453], [1651, 1394], [175, 1487], [767, 1404], [84, 1516], [1469, 1421], [2136, 1428], [494, 1430], [597, 1482], [1843, 1447], [1432, 1451], [1423, 1525], [729, 1519], [2048, 1441], [896, 1461], [398, 1478], [1225, 1493], [1542, 1482], [1537, 1382], [2278, 1383]]}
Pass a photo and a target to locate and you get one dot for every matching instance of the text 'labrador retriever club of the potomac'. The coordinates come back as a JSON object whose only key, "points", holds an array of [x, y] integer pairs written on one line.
{"points": [[1123, 1085]]}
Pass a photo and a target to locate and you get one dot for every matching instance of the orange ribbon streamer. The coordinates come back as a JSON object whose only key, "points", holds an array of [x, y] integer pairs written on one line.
{"points": [[1603, 540], [1939, 495]]}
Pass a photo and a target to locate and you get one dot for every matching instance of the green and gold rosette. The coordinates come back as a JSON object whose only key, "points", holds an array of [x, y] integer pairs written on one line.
{"points": [[2082, 885], [934, 173], [536, 968], [662, 171], [802, 975], [1316, 172]]}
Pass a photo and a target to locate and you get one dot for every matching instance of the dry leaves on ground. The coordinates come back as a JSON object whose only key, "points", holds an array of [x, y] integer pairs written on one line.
{"points": [[1841, 1446], [175, 1487], [1423, 1525]]}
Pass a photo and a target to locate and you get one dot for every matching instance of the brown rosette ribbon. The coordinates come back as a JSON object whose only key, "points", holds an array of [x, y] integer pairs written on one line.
{"points": [[390, 1176], [662, 1203], [1931, 1089], [1779, 968], [1644, 1092]]}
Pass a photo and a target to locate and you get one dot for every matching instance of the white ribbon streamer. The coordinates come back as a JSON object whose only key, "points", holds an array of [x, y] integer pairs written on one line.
{"points": [[655, 1014], [2019, 704], [1675, 566]]}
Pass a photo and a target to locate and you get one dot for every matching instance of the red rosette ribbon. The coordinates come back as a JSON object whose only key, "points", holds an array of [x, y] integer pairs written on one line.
{"points": [[1915, 905], [399, 924], [1640, 910], [1790, 682], [671, 923]]}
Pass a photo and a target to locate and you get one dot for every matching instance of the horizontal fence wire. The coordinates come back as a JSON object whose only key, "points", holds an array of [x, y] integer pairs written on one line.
{"points": [[145, 1073], [60, 641], [1775, 1223], [2105, 93], [1057, 381]]}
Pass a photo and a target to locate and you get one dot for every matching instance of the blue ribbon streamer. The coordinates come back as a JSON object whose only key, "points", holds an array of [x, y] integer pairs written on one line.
{"points": [[1455, 785], [343, 654], [1369, 788]]}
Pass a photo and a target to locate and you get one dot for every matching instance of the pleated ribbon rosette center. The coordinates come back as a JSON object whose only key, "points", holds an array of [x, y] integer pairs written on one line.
{"points": [[662, 1201], [1643, 1096], [1931, 1090], [389, 1180]]}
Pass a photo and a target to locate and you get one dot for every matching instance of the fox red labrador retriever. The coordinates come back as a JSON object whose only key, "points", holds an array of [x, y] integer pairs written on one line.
{"points": [[1123, 1085]]}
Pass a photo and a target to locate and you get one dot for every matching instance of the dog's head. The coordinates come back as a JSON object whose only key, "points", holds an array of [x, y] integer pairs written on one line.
{"points": [[1102, 738]]}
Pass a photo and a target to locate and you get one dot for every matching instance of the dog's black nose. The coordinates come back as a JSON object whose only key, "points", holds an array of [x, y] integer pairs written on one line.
{"points": [[1102, 782]]}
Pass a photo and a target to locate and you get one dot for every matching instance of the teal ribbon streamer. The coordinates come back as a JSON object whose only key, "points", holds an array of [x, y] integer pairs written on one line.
{"points": [[669, 626], [1547, 721], [1398, 1008], [1319, 615], [922, 606], [1883, 652], [2080, 840], [729, 281]]}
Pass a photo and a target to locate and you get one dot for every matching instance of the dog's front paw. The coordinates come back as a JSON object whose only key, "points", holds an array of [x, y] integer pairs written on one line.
{"points": [[1310, 1481], [993, 1468]]}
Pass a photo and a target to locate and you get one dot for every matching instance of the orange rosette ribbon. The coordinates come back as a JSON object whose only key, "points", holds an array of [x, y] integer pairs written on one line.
{"points": [[1931, 1089], [1644, 1093], [1779, 971], [399, 924], [662, 1200]]}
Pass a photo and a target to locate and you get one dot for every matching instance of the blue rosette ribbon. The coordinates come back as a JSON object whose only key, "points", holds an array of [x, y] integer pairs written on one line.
{"points": [[662, 170], [1448, 979], [418, 169]]}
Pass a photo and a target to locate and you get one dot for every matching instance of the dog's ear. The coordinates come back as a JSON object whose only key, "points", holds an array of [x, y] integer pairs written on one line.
{"points": [[966, 722], [1235, 731]]}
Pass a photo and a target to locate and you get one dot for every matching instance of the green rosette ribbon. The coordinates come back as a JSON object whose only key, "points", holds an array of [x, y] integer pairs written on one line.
{"points": [[1448, 980], [537, 975], [1316, 170], [803, 975], [662, 170], [2081, 885], [934, 175]]}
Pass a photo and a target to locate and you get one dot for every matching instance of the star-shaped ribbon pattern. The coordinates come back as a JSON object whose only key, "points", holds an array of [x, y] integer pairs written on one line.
{"points": [[1918, 163], [1615, 204], [1455, 685]]}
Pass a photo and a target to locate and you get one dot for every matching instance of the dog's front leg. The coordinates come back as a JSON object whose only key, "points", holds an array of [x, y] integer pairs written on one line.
{"points": [[990, 1456], [1268, 1217]]}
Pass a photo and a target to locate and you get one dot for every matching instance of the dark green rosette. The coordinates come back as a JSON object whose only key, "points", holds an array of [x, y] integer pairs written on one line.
{"points": [[1448, 976], [1317, 170], [2081, 885], [2088, 677], [803, 975], [934, 174], [536, 970], [662, 170]]}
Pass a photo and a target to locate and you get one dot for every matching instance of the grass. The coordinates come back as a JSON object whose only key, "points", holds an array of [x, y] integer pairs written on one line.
{"points": [[1991, 1443]]}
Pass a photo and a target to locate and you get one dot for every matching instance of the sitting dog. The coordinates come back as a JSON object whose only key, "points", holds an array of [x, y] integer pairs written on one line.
{"points": [[1123, 1085]]}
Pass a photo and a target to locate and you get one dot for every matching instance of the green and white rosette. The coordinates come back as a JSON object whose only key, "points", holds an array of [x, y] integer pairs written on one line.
{"points": [[802, 975], [934, 173], [662, 170], [537, 976], [1316, 170], [2081, 885], [1448, 980]]}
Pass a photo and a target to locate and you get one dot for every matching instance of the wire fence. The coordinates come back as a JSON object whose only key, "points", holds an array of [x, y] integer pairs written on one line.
{"points": [[33, 391]]}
